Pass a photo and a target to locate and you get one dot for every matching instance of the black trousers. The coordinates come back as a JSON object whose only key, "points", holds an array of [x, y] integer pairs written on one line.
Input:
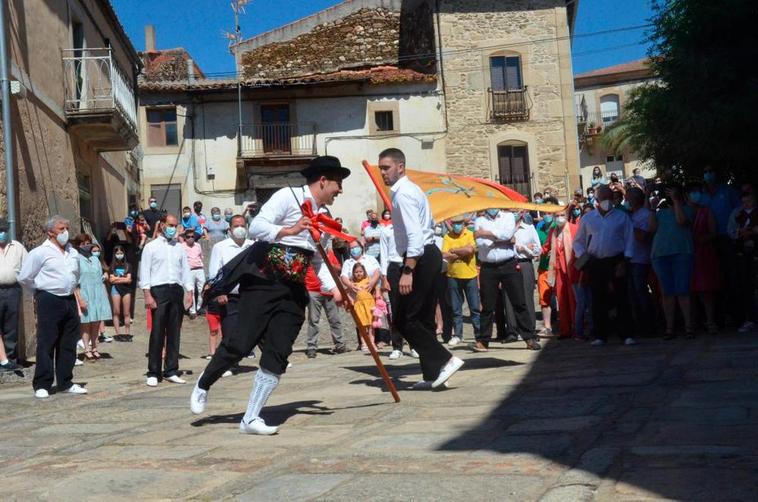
{"points": [[609, 292], [415, 314], [167, 326], [446, 307], [10, 302], [526, 268], [505, 275], [393, 277], [57, 334], [270, 314]]}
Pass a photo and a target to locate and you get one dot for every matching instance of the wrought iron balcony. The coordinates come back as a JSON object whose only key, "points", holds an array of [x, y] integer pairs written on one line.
{"points": [[278, 139], [509, 105], [99, 100], [593, 123]]}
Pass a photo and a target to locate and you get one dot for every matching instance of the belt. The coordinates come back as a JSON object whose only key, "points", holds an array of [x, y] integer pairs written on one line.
{"points": [[523, 260], [10, 286], [487, 264]]}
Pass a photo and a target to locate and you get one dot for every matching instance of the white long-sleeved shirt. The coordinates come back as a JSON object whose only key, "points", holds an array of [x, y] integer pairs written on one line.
{"points": [[47, 268], [368, 262], [12, 257], [388, 250], [164, 262], [411, 218], [527, 245], [608, 236], [283, 210], [503, 226], [222, 253]]}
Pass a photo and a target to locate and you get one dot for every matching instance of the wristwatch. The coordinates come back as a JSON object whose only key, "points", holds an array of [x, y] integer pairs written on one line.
{"points": [[407, 270]]}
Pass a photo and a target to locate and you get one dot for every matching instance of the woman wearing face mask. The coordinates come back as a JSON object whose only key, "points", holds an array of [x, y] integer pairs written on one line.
{"points": [[386, 218], [561, 273], [706, 275], [120, 279], [373, 272], [92, 291]]}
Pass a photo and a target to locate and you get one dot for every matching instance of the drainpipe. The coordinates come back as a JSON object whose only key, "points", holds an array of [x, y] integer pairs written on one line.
{"points": [[10, 181]]}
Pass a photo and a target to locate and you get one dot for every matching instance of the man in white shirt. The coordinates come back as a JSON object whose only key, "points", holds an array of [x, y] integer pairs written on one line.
{"points": [[422, 264], [528, 248], [639, 265], [391, 264], [607, 235], [51, 271], [500, 271], [167, 284], [271, 278], [226, 357], [12, 256]]}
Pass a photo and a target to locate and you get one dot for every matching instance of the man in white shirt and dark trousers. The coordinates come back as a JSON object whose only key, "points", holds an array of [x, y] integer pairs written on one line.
{"points": [[422, 264], [500, 269], [391, 264], [271, 279], [607, 235], [528, 248], [52, 271], [12, 256], [167, 284]]}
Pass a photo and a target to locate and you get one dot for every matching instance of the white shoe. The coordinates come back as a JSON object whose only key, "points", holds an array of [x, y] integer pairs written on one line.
{"points": [[151, 382], [251, 355], [453, 365], [597, 342], [41, 394], [425, 385], [78, 362], [396, 354], [257, 426], [414, 353], [227, 373], [453, 341], [176, 379], [747, 327], [630, 341], [80, 344], [76, 389], [198, 399], [289, 365], [105, 338]]}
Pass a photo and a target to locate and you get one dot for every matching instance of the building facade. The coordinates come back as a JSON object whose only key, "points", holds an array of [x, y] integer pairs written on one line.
{"points": [[601, 97]]}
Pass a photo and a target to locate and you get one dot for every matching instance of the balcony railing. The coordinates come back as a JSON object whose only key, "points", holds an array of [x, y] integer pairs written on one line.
{"points": [[592, 123], [509, 105], [280, 139], [94, 85]]}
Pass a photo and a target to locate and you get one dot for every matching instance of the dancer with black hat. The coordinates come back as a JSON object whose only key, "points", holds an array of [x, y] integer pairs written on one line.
{"points": [[271, 279]]}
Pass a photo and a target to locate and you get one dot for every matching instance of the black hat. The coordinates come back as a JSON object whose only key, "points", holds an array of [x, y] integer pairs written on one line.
{"points": [[4, 225], [324, 165]]}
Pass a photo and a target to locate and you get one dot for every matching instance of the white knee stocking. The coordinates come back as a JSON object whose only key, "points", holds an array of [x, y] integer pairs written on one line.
{"points": [[264, 384]]}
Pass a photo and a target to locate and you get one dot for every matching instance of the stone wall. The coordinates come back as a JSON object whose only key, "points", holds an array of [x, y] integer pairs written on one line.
{"points": [[471, 32]]}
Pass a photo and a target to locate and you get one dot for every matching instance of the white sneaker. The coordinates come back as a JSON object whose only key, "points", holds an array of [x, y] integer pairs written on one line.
{"points": [[198, 399], [630, 341], [176, 379], [78, 362], [151, 382], [80, 344], [251, 355], [257, 426], [747, 327], [453, 365], [41, 394], [105, 338], [414, 354], [454, 340], [76, 389], [227, 373], [597, 342], [425, 385], [396, 354], [289, 365]]}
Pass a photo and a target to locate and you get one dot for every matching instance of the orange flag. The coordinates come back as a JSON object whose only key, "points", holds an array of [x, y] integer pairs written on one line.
{"points": [[453, 195]]}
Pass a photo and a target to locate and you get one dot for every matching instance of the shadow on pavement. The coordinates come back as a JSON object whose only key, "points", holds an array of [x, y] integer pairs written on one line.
{"points": [[275, 415], [673, 419]]}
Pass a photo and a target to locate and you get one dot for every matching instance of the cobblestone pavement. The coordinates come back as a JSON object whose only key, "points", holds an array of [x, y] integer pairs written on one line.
{"points": [[660, 420]]}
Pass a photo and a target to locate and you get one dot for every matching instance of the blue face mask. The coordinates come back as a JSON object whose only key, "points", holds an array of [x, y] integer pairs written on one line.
{"points": [[457, 228], [492, 212], [576, 212], [356, 252], [3, 236], [228, 217], [709, 177], [538, 200], [153, 205], [96, 254], [527, 219], [696, 197], [548, 219], [169, 232]]}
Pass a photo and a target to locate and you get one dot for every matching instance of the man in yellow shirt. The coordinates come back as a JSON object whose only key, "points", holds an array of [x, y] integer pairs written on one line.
{"points": [[459, 250]]}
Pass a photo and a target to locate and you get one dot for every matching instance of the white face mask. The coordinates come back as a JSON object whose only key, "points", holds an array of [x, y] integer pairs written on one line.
{"points": [[119, 256], [62, 238], [239, 232], [560, 221]]}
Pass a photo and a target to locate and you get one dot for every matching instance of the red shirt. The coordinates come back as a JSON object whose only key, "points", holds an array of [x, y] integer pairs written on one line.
{"points": [[312, 283]]}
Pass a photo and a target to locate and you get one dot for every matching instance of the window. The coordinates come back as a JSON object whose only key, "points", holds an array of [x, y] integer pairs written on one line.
{"points": [[276, 131], [169, 197], [513, 164], [383, 121], [161, 127], [611, 158], [84, 183], [609, 108], [505, 73]]}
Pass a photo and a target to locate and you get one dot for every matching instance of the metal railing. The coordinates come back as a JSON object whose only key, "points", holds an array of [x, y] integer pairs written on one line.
{"points": [[94, 84], [596, 121], [509, 105], [277, 139]]}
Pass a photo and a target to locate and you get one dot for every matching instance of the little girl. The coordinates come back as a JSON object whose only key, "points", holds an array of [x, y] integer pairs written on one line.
{"points": [[363, 302], [121, 293]]}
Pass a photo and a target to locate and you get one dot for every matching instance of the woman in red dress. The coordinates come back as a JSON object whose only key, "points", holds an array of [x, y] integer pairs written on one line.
{"points": [[561, 271]]}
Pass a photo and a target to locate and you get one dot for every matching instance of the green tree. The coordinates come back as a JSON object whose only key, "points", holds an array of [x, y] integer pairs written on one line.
{"points": [[704, 108]]}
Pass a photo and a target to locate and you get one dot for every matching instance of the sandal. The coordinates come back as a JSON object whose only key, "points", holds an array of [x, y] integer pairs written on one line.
{"points": [[96, 354], [89, 356]]}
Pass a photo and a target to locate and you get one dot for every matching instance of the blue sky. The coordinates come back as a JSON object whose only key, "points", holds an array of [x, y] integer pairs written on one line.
{"points": [[198, 26]]}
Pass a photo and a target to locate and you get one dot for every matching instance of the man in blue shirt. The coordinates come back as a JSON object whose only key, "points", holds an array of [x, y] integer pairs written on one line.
{"points": [[190, 221]]}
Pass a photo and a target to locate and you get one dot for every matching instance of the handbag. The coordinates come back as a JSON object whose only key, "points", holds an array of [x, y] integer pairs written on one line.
{"points": [[581, 262]]}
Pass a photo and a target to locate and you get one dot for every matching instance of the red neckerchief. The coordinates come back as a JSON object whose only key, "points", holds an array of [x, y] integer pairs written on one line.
{"points": [[320, 222]]}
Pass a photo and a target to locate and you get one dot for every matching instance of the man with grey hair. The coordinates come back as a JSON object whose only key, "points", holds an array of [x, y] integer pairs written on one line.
{"points": [[12, 256], [51, 271]]}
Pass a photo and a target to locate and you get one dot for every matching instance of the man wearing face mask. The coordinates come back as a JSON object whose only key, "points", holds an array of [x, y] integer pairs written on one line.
{"points": [[190, 221], [51, 271], [167, 284], [371, 236], [194, 253], [12, 256], [228, 214], [152, 216], [217, 227], [607, 235], [500, 270], [528, 247], [459, 250]]}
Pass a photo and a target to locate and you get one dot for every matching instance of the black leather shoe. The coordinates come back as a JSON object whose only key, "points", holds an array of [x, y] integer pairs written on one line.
{"points": [[311, 353], [533, 345]]}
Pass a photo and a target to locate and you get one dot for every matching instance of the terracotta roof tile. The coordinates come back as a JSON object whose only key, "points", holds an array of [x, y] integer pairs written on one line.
{"points": [[167, 65], [632, 66]]}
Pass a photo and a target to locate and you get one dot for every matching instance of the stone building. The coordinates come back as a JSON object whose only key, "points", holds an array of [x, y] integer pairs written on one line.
{"points": [[601, 96], [73, 118]]}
